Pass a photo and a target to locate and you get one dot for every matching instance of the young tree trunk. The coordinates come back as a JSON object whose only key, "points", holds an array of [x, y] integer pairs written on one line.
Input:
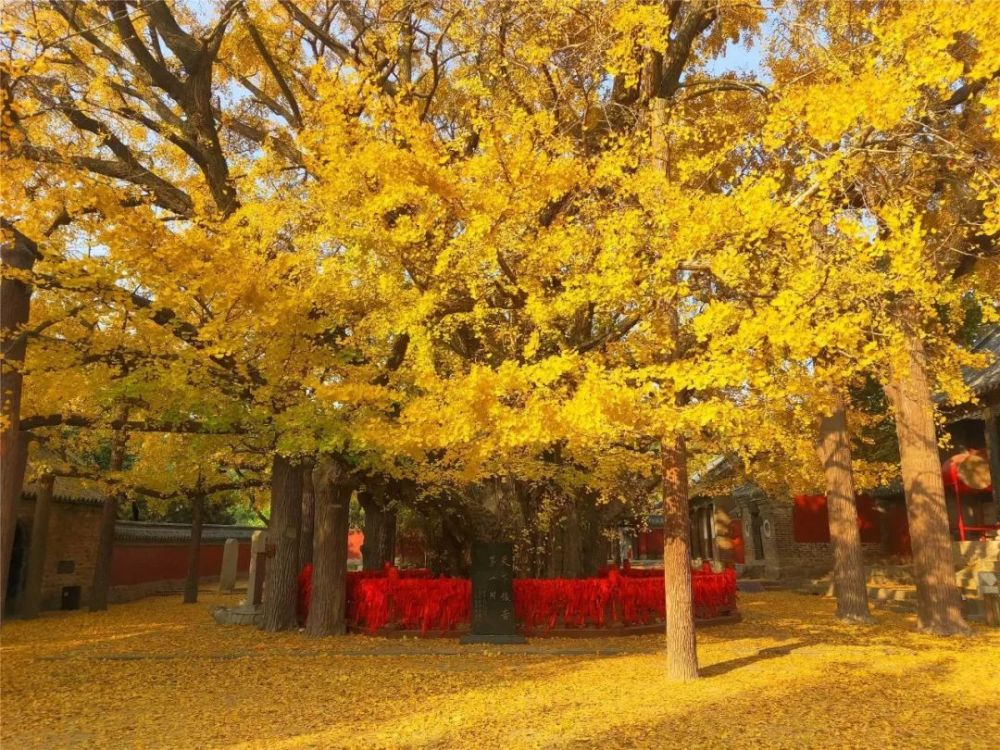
{"points": [[105, 549], [281, 572], [328, 609], [194, 549], [31, 602], [594, 547], [454, 544], [106, 534], [379, 546], [16, 252], [682, 656], [380, 538], [834, 450], [572, 560], [308, 516], [554, 563], [939, 605]]}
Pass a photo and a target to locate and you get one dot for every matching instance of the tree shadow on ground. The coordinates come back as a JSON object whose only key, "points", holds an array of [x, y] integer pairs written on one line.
{"points": [[723, 667]]}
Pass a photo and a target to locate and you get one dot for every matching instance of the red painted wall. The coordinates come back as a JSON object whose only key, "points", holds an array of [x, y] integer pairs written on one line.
{"points": [[811, 520], [899, 531], [650, 544], [869, 520], [145, 563]]}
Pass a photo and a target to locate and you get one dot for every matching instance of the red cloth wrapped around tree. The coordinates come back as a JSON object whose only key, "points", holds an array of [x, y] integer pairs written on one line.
{"points": [[412, 600]]}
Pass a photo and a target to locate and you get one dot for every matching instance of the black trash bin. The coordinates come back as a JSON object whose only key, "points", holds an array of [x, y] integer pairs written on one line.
{"points": [[71, 597]]}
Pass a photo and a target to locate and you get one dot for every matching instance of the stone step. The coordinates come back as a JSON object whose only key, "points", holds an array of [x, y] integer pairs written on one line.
{"points": [[968, 580], [892, 593]]}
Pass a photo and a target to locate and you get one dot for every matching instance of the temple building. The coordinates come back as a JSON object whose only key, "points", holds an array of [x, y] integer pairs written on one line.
{"points": [[789, 537]]}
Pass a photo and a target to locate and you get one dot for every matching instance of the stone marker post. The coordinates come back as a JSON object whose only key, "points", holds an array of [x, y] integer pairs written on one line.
{"points": [[255, 583], [230, 561]]}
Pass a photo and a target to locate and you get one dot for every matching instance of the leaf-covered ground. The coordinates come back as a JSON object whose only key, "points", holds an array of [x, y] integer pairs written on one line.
{"points": [[160, 674]]}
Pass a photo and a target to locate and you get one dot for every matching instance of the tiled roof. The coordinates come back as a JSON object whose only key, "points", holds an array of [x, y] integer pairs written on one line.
{"points": [[986, 381], [69, 490], [148, 531]]}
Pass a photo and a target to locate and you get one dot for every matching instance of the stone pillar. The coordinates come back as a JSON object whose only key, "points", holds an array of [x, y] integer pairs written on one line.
{"points": [[258, 551], [230, 560]]}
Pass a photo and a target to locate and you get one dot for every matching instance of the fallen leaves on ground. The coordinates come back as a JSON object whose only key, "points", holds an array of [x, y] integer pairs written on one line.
{"points": [[159, 674]]}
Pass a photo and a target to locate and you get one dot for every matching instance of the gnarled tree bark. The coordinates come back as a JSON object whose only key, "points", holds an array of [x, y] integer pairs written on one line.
{"points": [[308, 516], [281, 577], [333, 486], [939, 604]]}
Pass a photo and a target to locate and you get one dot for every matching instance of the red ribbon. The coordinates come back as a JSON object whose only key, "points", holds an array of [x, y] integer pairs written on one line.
{"points": [[411, 599]]}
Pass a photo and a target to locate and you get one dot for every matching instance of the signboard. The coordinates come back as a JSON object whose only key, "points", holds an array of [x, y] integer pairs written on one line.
{"points": [[493, 594]]}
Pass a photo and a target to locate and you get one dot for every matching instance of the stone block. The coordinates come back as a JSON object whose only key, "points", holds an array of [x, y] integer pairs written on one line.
{"points": [[230, 561]]}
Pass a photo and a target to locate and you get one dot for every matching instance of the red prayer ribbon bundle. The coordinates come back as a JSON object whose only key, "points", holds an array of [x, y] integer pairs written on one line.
{"points": [[412, 600]]}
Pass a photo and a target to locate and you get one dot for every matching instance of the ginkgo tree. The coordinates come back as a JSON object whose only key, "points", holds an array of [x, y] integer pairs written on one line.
{"points": [[546, 248]]}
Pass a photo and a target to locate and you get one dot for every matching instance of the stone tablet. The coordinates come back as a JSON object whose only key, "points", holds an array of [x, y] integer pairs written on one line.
{"points": [[255, 582], [493, 594], [230, 560]]}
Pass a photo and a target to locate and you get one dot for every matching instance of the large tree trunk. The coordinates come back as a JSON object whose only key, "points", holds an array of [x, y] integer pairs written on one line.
{"points": [[16, 252], [333, 488], [939, 605], [194, 549], [308, 516], [281, 576], [379, 546], [106, 533], [682, 656], [834, 449], [31, 603]]}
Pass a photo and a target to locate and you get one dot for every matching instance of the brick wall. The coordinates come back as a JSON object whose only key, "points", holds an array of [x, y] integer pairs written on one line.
{"points": [[784, 557], [71, 547], [147, 558]]}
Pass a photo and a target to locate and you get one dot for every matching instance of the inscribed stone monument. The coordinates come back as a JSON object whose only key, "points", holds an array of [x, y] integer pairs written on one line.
{"points": [[493, 594]]}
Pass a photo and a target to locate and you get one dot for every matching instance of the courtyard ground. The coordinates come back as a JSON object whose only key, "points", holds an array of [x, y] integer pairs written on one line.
{"points": [[158, 674]]}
